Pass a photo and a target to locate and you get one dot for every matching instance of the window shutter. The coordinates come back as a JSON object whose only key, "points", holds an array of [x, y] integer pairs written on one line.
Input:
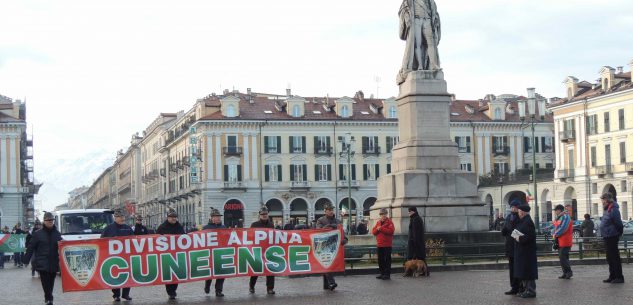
{"points": [[494, 141], [353, 171], [266, 173], [305, 171], [388, 168], [389, 144], [291, 145], [377, 171], [316, 172], [329, 171], [239, 173], [505, 140], [365, 141], [303, 145], [279, 176], [526, 144], [340, 172], [266, 145], [364, 171], [278, 144], [542, 144], [292, 172], [536, 149], [457, 140], [316, 143], [376, 143], [226, 172], [467, 144], [327, 143]]}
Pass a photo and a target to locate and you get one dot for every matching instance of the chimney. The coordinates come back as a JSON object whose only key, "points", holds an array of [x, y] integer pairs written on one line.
{"points": [[288, 92], [620, 69], [226, 91], [248, 91]]}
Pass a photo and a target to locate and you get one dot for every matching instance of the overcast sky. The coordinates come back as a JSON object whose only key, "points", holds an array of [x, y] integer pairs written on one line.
{"points": [[95, 72]]}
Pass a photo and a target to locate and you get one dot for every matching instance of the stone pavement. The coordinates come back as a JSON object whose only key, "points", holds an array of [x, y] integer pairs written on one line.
{"points": [[458, 287]]}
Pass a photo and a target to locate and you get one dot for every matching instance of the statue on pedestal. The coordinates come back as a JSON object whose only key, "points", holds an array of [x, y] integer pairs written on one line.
{"points": [[420, 27]]}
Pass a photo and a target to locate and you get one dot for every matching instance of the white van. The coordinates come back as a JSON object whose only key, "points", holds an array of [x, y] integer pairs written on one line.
{"points": [[83, 224]]}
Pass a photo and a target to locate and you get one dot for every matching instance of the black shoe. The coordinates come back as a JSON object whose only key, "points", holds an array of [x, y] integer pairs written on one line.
{"points": [[251, 289], [172, 296], [117, 299], [617, 281], [207, 289], [519, 293], [219, 294], [568, 276], [386, 277], [528, 295], [380, 277], [270, 291], [564, 276], [332, 286], [511, 292], [127, 298], [607, 280]]}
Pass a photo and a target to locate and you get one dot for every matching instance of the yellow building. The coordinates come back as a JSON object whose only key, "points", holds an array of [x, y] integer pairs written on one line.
{"points": [[594, 139]]}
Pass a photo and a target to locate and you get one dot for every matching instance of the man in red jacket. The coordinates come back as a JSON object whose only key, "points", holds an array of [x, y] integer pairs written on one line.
{"points": [[383, 230]]}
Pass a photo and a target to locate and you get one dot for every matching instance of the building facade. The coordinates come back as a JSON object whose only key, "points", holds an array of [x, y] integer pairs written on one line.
{"points": [[17, 184]]}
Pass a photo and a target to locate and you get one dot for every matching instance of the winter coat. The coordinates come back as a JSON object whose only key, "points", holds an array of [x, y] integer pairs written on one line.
{"points": [[168, 228], [140, 229], [263, 224], [587, 228], [211, 226], [362, 229], [43, 248], [508, 226], [383, 230], [563, 230], [611, 224], [525, 266], [115, 229], [416, 248], [325, 222]]}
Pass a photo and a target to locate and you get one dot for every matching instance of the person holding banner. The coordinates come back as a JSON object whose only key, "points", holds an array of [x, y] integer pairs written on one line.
{"points": [[139, 228], [329, 221], [173, 227], [37, 226], [17, 257], [263, 222], [119, 228], [44, 248], [215, 222]]}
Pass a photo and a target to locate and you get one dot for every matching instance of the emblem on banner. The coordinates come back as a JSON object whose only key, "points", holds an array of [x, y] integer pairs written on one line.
{"points": [[81, 262], [325, 247]]}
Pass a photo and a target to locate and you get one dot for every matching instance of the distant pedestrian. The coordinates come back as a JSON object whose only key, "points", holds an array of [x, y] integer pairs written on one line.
{"points": [[17, 256], [263, 222], [587, 228], [290, 225], [416, 247], [215, 222], [611, 228], [509, 225], [525, 264], [139, 228], [4, 230], [44, 250], [36, 227], [171, 227], [361, 229], [383, 230], [329, 221], [118, 228], [563, 233]]}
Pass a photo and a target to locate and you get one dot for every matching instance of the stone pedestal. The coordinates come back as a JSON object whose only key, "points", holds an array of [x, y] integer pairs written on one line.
{"points": [[425, 165]]}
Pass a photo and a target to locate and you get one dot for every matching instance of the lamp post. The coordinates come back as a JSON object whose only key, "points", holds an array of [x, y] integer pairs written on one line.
{"points": [[346, 145], [531, 105]]}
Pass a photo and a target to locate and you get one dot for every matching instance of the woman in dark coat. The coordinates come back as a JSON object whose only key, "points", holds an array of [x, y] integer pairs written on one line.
{"points": [[525, 266], [416, 248]]}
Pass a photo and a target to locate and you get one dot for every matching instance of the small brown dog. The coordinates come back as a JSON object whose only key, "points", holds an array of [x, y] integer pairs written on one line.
{"points": [[415, 268]]}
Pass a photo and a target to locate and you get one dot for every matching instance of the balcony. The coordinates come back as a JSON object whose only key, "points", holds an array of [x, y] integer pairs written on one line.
{"points": [[232, 151], [234, 185], [463, 149], [501, 150], [603, 170], [567, 135], [629, 167], [371, 150], [323, 150], [344, 183], [299, 185], [565, 173]]}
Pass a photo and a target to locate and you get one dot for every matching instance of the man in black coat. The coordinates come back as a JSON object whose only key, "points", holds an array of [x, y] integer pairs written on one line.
{"points": [[44, 249], [416, 248], [263, 222], [139, 228], [118, 228], [509, 226], [215, 222], [525, 264], [171, 227], [17, 257]]}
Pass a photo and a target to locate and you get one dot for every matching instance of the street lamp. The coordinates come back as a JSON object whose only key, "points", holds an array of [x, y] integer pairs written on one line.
{"points": [[346, 150], [531, 105]]}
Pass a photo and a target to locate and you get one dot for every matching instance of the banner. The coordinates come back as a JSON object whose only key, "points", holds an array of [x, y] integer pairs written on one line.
{"points": [[12, 242], [146, 260]]}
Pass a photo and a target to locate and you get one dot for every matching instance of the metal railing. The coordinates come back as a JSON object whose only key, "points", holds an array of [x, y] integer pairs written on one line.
{"points": [[343, 183], [501, 150], [629, 166], [603, 170], [299, 184], [234, 185], [565, 173], [232, 150], [567, 135]]}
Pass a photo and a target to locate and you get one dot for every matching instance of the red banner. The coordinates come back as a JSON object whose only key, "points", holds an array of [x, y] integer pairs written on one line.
{"points": [[146, 260]]}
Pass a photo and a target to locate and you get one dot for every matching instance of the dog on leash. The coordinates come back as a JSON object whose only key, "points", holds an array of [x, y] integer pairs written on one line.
{"points": [[415, 268]]}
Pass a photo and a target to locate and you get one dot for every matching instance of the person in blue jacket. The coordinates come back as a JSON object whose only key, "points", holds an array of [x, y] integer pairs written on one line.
{"points": [[611, 228]]}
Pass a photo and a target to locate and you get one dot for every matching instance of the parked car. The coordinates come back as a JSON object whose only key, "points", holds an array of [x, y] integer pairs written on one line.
{"points": [[628, 228]]}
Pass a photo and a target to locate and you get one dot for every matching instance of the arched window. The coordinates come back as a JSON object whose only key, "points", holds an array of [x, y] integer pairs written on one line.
{"points": [[230, 111], [497, 114], [344, 111], [296, 111], [392, 112]]}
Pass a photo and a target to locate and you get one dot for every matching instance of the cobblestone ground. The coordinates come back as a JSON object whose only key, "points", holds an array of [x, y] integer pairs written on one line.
{"points": [[462, 287]]}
